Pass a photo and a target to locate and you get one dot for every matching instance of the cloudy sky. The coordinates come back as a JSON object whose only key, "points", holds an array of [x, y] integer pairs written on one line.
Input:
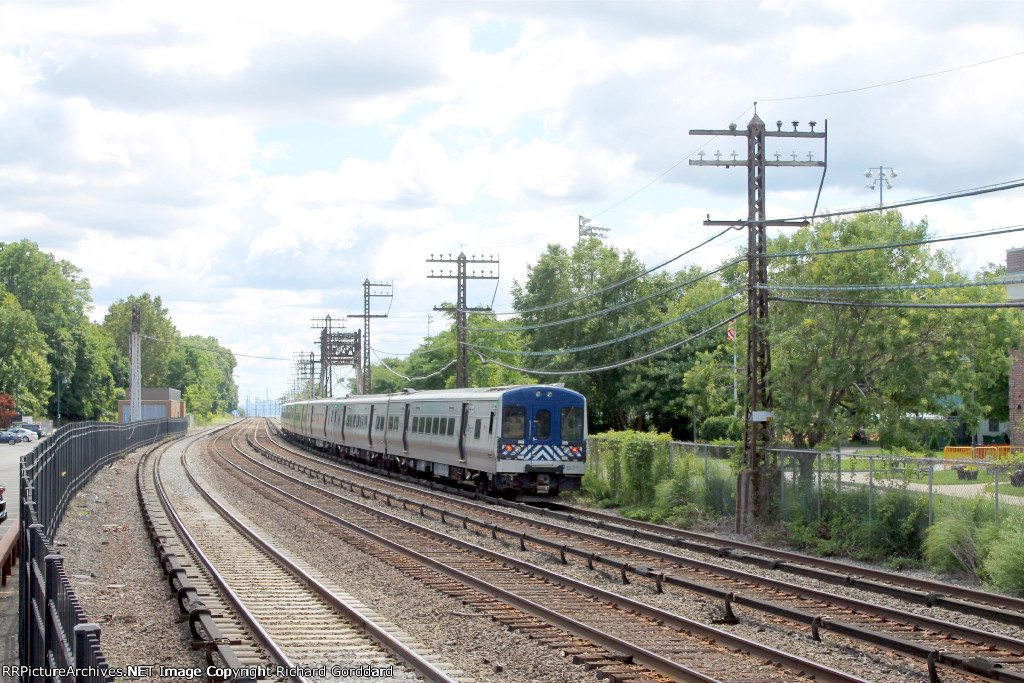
{"points": [[253, 163]]}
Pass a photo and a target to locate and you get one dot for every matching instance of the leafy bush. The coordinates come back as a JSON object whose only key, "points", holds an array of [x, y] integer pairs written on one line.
{"points": [[1002, 565], [721, 428], [953, 542], [898, 521]]}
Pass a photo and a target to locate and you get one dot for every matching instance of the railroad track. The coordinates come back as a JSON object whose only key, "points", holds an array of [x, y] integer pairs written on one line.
{"points": [[542, 601], [932, 641], [261, 615]]}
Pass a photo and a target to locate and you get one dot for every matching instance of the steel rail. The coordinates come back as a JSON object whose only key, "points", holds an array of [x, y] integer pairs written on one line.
{"points": [[993, 606], [400, 650], [981, 666], [186, 592], [256, 629], [651, 660], [933, 593]]}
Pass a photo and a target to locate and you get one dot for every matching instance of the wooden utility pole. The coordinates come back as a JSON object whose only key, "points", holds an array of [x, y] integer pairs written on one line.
{"points": [[752, 489], [460, 310]]}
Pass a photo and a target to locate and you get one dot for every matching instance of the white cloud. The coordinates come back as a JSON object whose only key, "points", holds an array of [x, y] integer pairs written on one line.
{"points": [[132, 131]]}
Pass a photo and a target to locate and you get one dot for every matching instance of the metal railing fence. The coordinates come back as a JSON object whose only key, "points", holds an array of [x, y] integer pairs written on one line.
{"points": [[56, 641]]}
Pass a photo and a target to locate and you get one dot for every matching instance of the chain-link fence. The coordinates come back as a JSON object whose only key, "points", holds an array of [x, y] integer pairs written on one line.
{"points": [[807, 485]]}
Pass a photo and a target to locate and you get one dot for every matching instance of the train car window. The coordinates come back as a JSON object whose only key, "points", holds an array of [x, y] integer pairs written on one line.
{"points": [[572, 424], [451, 426], [513, 422], [476, 429], [415, 423], [544, 424]]}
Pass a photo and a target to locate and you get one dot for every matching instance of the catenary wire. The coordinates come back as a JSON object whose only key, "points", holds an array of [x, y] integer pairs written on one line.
{"points": [[899, 304], [610, 341], [896, 82], [411, 379], [854, 288], [895, 245], [227, 352], [612, 366], [610, 309], [959, 194], [620, 283]]}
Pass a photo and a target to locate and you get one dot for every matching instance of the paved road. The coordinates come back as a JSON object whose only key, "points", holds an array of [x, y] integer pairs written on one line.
{"points": [[10, 466]]}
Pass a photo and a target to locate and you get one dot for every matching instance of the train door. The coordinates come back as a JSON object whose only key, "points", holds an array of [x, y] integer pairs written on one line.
{"points": [[344, 414], [405, 428], [369, 427], [462, 432]]}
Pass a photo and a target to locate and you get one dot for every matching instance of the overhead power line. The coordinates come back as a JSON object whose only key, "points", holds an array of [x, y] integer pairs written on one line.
{"points": [[412, 379], [612, 366], [899, 304], [218, 351], [896, 82], [984, 189], [895, 245], [930, 285], [620, 283], [610, 309], [598, 345]]}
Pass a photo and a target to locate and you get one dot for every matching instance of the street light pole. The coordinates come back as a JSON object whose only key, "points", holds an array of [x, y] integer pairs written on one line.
{"points": [[60, 381], [882, 177]]}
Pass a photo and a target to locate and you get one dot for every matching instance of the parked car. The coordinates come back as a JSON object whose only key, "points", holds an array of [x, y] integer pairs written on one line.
{"points": [[26, 434], [10, 437], [32, 426], [3, 503]]}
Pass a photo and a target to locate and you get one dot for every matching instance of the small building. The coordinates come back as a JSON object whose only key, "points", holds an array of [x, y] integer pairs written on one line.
{"points": [[1015, 292], [156, 403]]}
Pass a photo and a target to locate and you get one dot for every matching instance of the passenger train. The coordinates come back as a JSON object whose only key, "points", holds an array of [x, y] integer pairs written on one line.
{"points": [[513, 441]]}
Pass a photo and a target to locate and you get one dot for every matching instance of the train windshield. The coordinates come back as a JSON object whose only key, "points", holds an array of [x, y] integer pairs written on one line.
{"points": [[513, 422], [543, 424], [572, 424]]}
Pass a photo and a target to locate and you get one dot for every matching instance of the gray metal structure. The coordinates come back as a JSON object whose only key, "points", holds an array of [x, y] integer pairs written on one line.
{"points": [[587, 230], [135, 371], [337, 348], [365, 381], [752, 487], [461, 309]]}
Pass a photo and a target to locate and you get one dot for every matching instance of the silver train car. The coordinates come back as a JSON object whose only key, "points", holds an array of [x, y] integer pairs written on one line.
{"points": [[514, 441]]}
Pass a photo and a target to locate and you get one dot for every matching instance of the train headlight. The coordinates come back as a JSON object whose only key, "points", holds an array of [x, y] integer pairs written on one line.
{"points": [[575, 449]]}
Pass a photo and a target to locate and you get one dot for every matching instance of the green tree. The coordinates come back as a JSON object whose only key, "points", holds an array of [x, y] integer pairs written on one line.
{"points": [[835, 368], [202, 370], [57, 296], [91, 393], [562, 275], [24, 372]]}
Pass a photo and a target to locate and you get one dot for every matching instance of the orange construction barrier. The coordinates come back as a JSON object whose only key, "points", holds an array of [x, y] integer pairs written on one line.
{"points": [[993, 452]]}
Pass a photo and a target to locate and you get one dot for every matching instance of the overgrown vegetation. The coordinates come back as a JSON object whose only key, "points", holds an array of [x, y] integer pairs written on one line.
{"points": [[46, 339], [639, 473]]}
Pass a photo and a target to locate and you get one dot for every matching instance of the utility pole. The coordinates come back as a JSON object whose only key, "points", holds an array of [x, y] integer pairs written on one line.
{"points": [[135, 368], [587, 230], [366, 380], [752, 499], [460, 310]]}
